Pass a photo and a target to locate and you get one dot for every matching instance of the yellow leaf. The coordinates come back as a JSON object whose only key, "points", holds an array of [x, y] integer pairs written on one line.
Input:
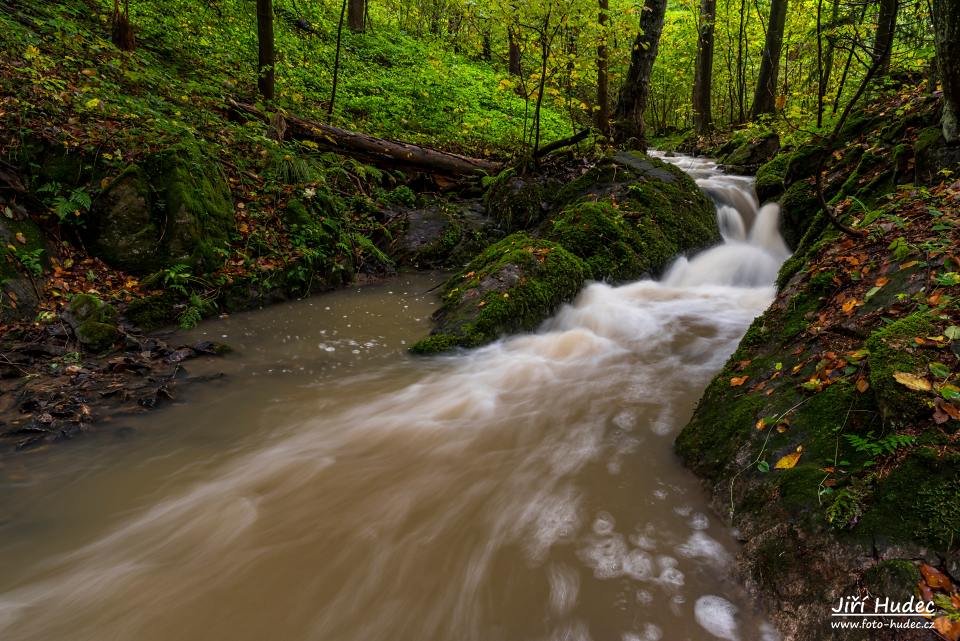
{"points": [[93, 103], [21, 238], [862, 385], [912, 381], [849, 305], [762, 423], [790, 460], [31, 53]]}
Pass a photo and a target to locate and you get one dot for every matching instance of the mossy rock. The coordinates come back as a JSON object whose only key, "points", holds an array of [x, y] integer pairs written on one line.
{"points": [[750, 155], [518, 201], [893, 349], [87, 307], [18, 295], [798, 207], [803, 162], [610, 245], [153, 311], [96, 336], [665, 206], [173, 208], [893, 578], [770, 177], [512, 286]]}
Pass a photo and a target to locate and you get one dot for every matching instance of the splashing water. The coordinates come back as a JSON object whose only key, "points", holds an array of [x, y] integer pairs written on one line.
{"points": [[525, 490]]}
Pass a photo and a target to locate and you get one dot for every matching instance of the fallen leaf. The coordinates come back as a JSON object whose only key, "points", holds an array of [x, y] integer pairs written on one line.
{"points": [[849, 305], [935, 578], [862, 385], [762, 423], [21, 238], [737, 381], [949, 409], [790, 460], [948, 629], [912, 381], [883, 280]]}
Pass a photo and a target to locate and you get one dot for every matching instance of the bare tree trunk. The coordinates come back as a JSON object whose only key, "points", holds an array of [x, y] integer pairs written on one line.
{"points": [[632, 103], [765, 97], [357, 15], [603, 79], [265, 51], [946, 30], [703, 69], [886, 29], [513, 65], [827, 66]]}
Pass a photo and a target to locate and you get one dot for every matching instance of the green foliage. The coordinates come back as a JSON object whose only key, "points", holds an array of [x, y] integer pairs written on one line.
{"points": [[874, 446]]}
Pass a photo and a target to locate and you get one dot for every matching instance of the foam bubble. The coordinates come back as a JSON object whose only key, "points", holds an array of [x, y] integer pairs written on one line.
{"points": [[717, 616]]}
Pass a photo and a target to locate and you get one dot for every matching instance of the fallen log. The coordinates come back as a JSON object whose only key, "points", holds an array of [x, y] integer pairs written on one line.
{"points": [[378, 151], [563, 142]]}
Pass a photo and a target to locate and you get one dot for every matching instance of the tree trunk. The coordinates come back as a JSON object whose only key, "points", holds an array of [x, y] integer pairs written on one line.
{"points": [[121, 32], [265, 52], [765, 98], [703, 69], [946, 31], [356, 15], [632, 102], [380, 151], [886, 29], [603, 90], [513, 65]]}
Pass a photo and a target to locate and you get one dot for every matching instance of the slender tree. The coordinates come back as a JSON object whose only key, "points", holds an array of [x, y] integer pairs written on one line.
{"points": [[765, 97], [357, 15], [635, 92], [265, 50], [886, 30], [946, 31], [603, 81], [336, 60], [703, 69]]}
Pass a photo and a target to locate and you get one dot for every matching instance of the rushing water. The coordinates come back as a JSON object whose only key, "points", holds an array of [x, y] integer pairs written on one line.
{"points": [[333, 488]]}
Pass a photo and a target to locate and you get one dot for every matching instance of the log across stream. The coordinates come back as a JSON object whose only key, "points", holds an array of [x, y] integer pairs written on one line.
{"points": [[333, 487]]}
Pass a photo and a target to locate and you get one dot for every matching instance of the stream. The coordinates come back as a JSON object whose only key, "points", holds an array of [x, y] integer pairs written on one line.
{"points": [[332, 487]]}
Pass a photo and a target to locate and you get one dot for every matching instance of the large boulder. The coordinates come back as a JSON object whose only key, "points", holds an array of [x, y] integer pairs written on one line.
{"points": [[172, 208], [625, 216], [750, 155]]}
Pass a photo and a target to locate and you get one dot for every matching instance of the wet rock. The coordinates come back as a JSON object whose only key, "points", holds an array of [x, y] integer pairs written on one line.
{"points": [[443, 234], [513, 285], [748, 156]]}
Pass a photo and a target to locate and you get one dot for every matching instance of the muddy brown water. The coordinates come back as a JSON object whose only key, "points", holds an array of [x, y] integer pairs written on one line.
{"points": [[332, 487]]}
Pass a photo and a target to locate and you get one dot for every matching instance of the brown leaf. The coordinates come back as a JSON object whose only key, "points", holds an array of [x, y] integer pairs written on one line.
{"points": [[862, 385], [737, 381], [949, 409], [948, 629], [935, 578]]}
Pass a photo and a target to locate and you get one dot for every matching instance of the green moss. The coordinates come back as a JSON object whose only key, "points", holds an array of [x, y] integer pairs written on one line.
{"points": [[87, 307], [894, 578], [516, 202], [511, 286], [798, 207], [917, 501], [598, 233], [97, 336], [892, 349], [152, 312], [770, 177]]}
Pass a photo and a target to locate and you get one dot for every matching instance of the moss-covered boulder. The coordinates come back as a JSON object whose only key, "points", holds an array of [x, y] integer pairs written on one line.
{"points": [[749, 155], [172, 208], [770, 178], [445, 233], [512, 286], [597, 232], [94, 322], [519, 201]]}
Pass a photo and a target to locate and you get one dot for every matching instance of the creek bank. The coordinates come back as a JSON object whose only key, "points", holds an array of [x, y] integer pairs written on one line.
{"points": [[830, 437]]}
